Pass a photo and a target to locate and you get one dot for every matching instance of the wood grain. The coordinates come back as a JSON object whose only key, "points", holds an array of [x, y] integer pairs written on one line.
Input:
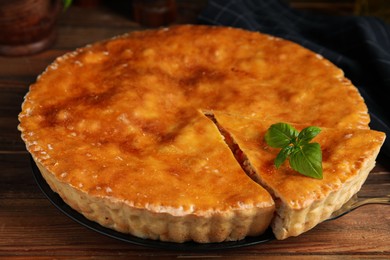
{"points": [[32, 228]]}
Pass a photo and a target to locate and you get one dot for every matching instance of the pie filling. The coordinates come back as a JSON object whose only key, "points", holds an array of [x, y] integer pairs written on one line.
{"points": [[240, 156]]}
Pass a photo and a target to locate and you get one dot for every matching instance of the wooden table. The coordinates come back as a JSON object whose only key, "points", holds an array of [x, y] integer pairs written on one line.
{"points": [[31, 227]]}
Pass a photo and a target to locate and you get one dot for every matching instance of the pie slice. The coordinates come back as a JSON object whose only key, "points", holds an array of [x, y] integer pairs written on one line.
{"points": [[303, 202]]}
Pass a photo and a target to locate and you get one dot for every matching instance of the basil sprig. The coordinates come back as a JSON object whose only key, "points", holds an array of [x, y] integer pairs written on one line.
{"points": [[305, 157]]}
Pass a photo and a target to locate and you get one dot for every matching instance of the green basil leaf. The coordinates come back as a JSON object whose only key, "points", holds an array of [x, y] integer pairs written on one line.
{"points": [[280, 135], [305, 157], [307, 134], [308, 160], [67, 3], [282, 156]]}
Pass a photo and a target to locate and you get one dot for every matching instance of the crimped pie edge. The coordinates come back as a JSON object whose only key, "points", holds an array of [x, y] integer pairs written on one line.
{"points": [[288, 222], [212, 226]]}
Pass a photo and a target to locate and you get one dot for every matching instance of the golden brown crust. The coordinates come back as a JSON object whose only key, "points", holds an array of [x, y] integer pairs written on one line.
{"points": [[348, 155], [177, 184], [121, 120]]}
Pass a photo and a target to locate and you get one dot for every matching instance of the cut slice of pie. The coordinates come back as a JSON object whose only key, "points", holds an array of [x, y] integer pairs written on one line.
{"points": [[303, 202]]}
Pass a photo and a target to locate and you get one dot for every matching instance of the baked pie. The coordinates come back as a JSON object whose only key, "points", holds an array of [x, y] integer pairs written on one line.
{"points": [[126, 132]]}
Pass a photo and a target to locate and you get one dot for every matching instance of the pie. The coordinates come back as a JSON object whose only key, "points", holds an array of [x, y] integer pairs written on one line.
{"points": [[132, 133]]}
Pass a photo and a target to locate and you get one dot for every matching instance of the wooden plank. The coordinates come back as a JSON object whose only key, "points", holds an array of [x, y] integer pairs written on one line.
{"points": [[11, 98], [42, 227], [69, 38], [26, 69], [108, 15]]}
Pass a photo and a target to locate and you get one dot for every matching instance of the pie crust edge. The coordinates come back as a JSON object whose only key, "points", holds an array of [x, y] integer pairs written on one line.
{"points": [[212, 226], [289, 222]]}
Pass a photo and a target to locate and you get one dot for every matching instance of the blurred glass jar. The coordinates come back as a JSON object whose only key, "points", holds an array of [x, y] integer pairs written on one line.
{"points": [[154, 13], [27, 26]]}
